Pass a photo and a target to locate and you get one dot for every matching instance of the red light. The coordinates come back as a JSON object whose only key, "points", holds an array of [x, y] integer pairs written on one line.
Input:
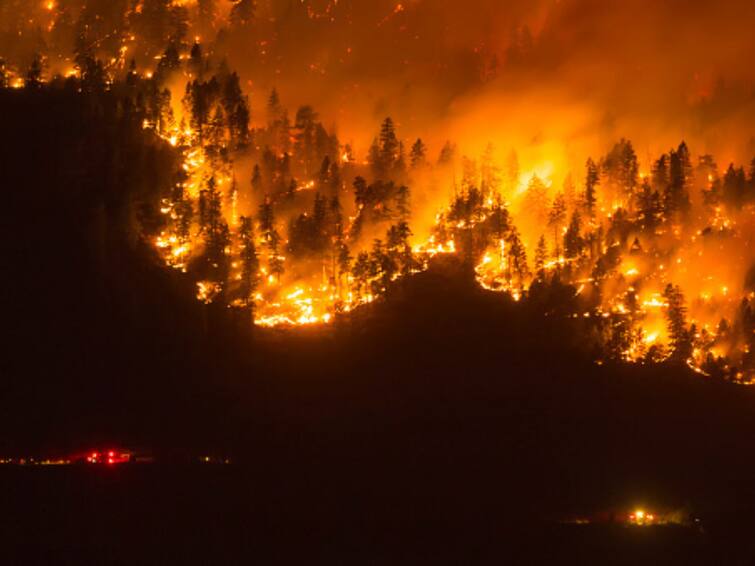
{"points": [[94, 455], [111, 454], [109, 460]]}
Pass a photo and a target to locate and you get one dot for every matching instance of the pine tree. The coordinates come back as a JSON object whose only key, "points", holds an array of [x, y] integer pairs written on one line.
{"points": [[676, 197], [361, 273], [676, 321], [249, 261], [591, 182], [236, 108], [383, 267], [712, 191], [397, 246], [215, 132], [573, 242], [169, 61], [266, 219], [556, 219], [274, 109], [418, 155], [283, 129], [649, 207], [275, 262], [734, 186], [338, 245], [216, 231], [447, 153], [621, 167], [389, 144], [199, 100], [541, 255], [660, 174], [517, 258], [500, 221], [34, 74]]}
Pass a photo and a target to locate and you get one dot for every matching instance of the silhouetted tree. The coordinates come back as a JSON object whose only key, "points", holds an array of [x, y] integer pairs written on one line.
{"points": [[249, 261], [517, 258], [236, 109], [734, 186], [34, 74], [676, 321], [649, 207], [361, 273], [397, 246], [621, 167], [591, 182], [418, 155], [541, 255], [573, 242], [556, 219], [447, 153], [266, 219], [676, 197]]}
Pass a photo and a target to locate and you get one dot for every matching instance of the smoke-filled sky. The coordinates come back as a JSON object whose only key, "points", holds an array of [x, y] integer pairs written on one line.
{"points": [[577, 74], [557, 77]]}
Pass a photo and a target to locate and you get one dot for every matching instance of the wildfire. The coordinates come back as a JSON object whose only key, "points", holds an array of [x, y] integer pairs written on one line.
{"points": [[319, 297], [286, 222]]}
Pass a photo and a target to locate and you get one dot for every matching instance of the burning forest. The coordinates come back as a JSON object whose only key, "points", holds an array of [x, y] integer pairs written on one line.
{"points": [[276, 216], [457, 280]]}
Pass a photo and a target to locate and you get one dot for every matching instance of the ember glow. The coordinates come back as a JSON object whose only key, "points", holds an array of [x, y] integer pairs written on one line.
{"points": [[298, 217]]}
